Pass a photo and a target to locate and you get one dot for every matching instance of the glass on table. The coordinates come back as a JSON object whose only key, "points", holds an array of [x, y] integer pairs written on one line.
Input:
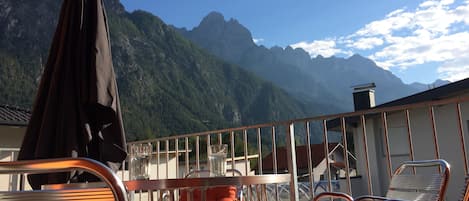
{"points": [[217, 159], [140, 156]]}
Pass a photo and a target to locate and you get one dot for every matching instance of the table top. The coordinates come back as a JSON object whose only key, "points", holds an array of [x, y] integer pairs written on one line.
{"points": [[201, 182]]}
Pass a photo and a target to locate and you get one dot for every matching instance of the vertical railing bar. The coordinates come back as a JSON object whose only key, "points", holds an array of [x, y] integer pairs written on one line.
{"points": [[291, 159], [197, 152], [148, 195], [176, 145], [245, 140], [435, 137], [186, 144], [347, 167], [386, 143], [208, 142], [274, 159], [409, 139], [274, 150], [158, 159], [10, 176], [167, 159], [232, 142], [123, 171], [259, 150], [310, 161], [129, 162], [22, 182], [462, 138], [326, 151], [220, 139], [367, 160]]}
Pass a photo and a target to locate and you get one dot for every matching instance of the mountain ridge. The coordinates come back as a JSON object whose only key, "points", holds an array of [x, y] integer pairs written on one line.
{"points": [[332, 76], [167, 85]]}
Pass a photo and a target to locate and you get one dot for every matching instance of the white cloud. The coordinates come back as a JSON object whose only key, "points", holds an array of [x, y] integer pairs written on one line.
{"points": [[258, 40], [366, 43], [324, 48], [456, 69], [394, 21], [437, 31]]}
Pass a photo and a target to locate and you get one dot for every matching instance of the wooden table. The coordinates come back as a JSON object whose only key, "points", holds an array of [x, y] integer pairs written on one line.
{"points": [[205, 182], [201, 182]]}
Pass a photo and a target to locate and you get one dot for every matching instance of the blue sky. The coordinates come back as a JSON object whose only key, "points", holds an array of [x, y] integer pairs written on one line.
{"points": [[418, 40]]}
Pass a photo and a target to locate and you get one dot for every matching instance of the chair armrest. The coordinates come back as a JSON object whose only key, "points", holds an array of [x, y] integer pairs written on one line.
{"points": [[67, 164], [333, 195], [373, 197]]}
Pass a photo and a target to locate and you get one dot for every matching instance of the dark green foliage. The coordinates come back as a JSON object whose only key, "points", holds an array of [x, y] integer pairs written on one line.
{"points": [[167, 85]]}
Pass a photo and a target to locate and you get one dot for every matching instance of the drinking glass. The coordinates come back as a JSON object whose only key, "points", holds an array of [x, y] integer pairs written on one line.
{"points": [[140, 156], [217, 159]]}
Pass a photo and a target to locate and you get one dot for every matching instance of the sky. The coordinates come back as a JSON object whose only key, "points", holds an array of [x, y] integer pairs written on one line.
{"points": [[417, 40]]}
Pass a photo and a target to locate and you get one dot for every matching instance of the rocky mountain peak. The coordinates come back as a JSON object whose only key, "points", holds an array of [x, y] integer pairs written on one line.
{"points": [[216, 27], [212, 18], [229, 38]]}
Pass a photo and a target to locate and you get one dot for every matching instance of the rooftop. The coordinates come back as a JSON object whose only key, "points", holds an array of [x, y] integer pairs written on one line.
{"points": [[438, 93], [14, 116]]}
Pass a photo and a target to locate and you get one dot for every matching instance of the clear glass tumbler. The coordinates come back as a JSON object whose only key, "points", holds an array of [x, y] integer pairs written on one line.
{"points": [[140, 156], [217, 159]]}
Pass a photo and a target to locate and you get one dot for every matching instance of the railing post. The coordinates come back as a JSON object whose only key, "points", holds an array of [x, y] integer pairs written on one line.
{"points": [[291, 158]]}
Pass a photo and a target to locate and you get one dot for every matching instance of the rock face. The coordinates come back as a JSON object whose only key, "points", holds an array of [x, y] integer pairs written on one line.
{"points": [[317, 80], [229, 39], [167, 85]]}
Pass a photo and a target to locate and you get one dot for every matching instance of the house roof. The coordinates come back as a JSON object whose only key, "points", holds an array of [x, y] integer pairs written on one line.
{"points": [[438, 93], [14, 116], [317, 155]]}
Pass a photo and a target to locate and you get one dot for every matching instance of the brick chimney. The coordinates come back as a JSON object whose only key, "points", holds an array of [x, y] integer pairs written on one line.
{"points": [[364, 96]]}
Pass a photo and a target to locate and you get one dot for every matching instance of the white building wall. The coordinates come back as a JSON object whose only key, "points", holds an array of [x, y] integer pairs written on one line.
{"points": [[11, 136], [423, 143], [373, 155]]}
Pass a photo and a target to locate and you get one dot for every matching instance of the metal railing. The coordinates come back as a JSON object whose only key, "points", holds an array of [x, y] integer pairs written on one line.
{"points": [[377, 136]]}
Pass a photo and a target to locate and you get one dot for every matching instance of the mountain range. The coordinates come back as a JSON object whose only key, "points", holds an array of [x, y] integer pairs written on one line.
{"points": [[172, 80], [320, 81], [167, 84]]}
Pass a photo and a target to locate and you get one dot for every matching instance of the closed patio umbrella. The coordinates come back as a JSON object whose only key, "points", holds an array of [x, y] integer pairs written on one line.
{"points": [[76, 112]]}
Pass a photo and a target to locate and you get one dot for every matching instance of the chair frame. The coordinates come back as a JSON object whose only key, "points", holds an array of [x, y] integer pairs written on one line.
{"points": [[442, 164], [63, 165], [465, 193]]}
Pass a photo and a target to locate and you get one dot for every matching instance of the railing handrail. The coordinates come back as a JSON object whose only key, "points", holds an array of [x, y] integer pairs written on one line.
{"points": [[375, 110]]}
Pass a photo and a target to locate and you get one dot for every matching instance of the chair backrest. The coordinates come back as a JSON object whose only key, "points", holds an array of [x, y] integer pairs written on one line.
{"points": [[324, 195], [409, 186], [115, 189]]}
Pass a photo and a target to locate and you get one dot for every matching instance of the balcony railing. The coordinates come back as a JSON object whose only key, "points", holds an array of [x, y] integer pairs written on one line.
{"points": [[372, 144]]}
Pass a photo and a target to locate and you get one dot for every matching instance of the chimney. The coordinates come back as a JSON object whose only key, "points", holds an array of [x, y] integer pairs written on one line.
{"points": [[364, 96]]}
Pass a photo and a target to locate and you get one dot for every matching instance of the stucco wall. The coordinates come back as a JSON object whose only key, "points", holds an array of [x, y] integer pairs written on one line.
{"points": [[447, 130], [11, 136]]}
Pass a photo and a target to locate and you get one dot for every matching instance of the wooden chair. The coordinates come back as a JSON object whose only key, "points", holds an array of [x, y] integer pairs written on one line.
{"points": [[417, 187], [113, 190]]}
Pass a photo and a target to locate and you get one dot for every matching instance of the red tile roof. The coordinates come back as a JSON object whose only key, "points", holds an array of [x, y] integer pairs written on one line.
{"points": [[317, 155], [14, 116]]}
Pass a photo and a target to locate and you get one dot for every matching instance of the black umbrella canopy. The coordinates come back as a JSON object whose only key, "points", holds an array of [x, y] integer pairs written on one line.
{"points": [[76, 112]]}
